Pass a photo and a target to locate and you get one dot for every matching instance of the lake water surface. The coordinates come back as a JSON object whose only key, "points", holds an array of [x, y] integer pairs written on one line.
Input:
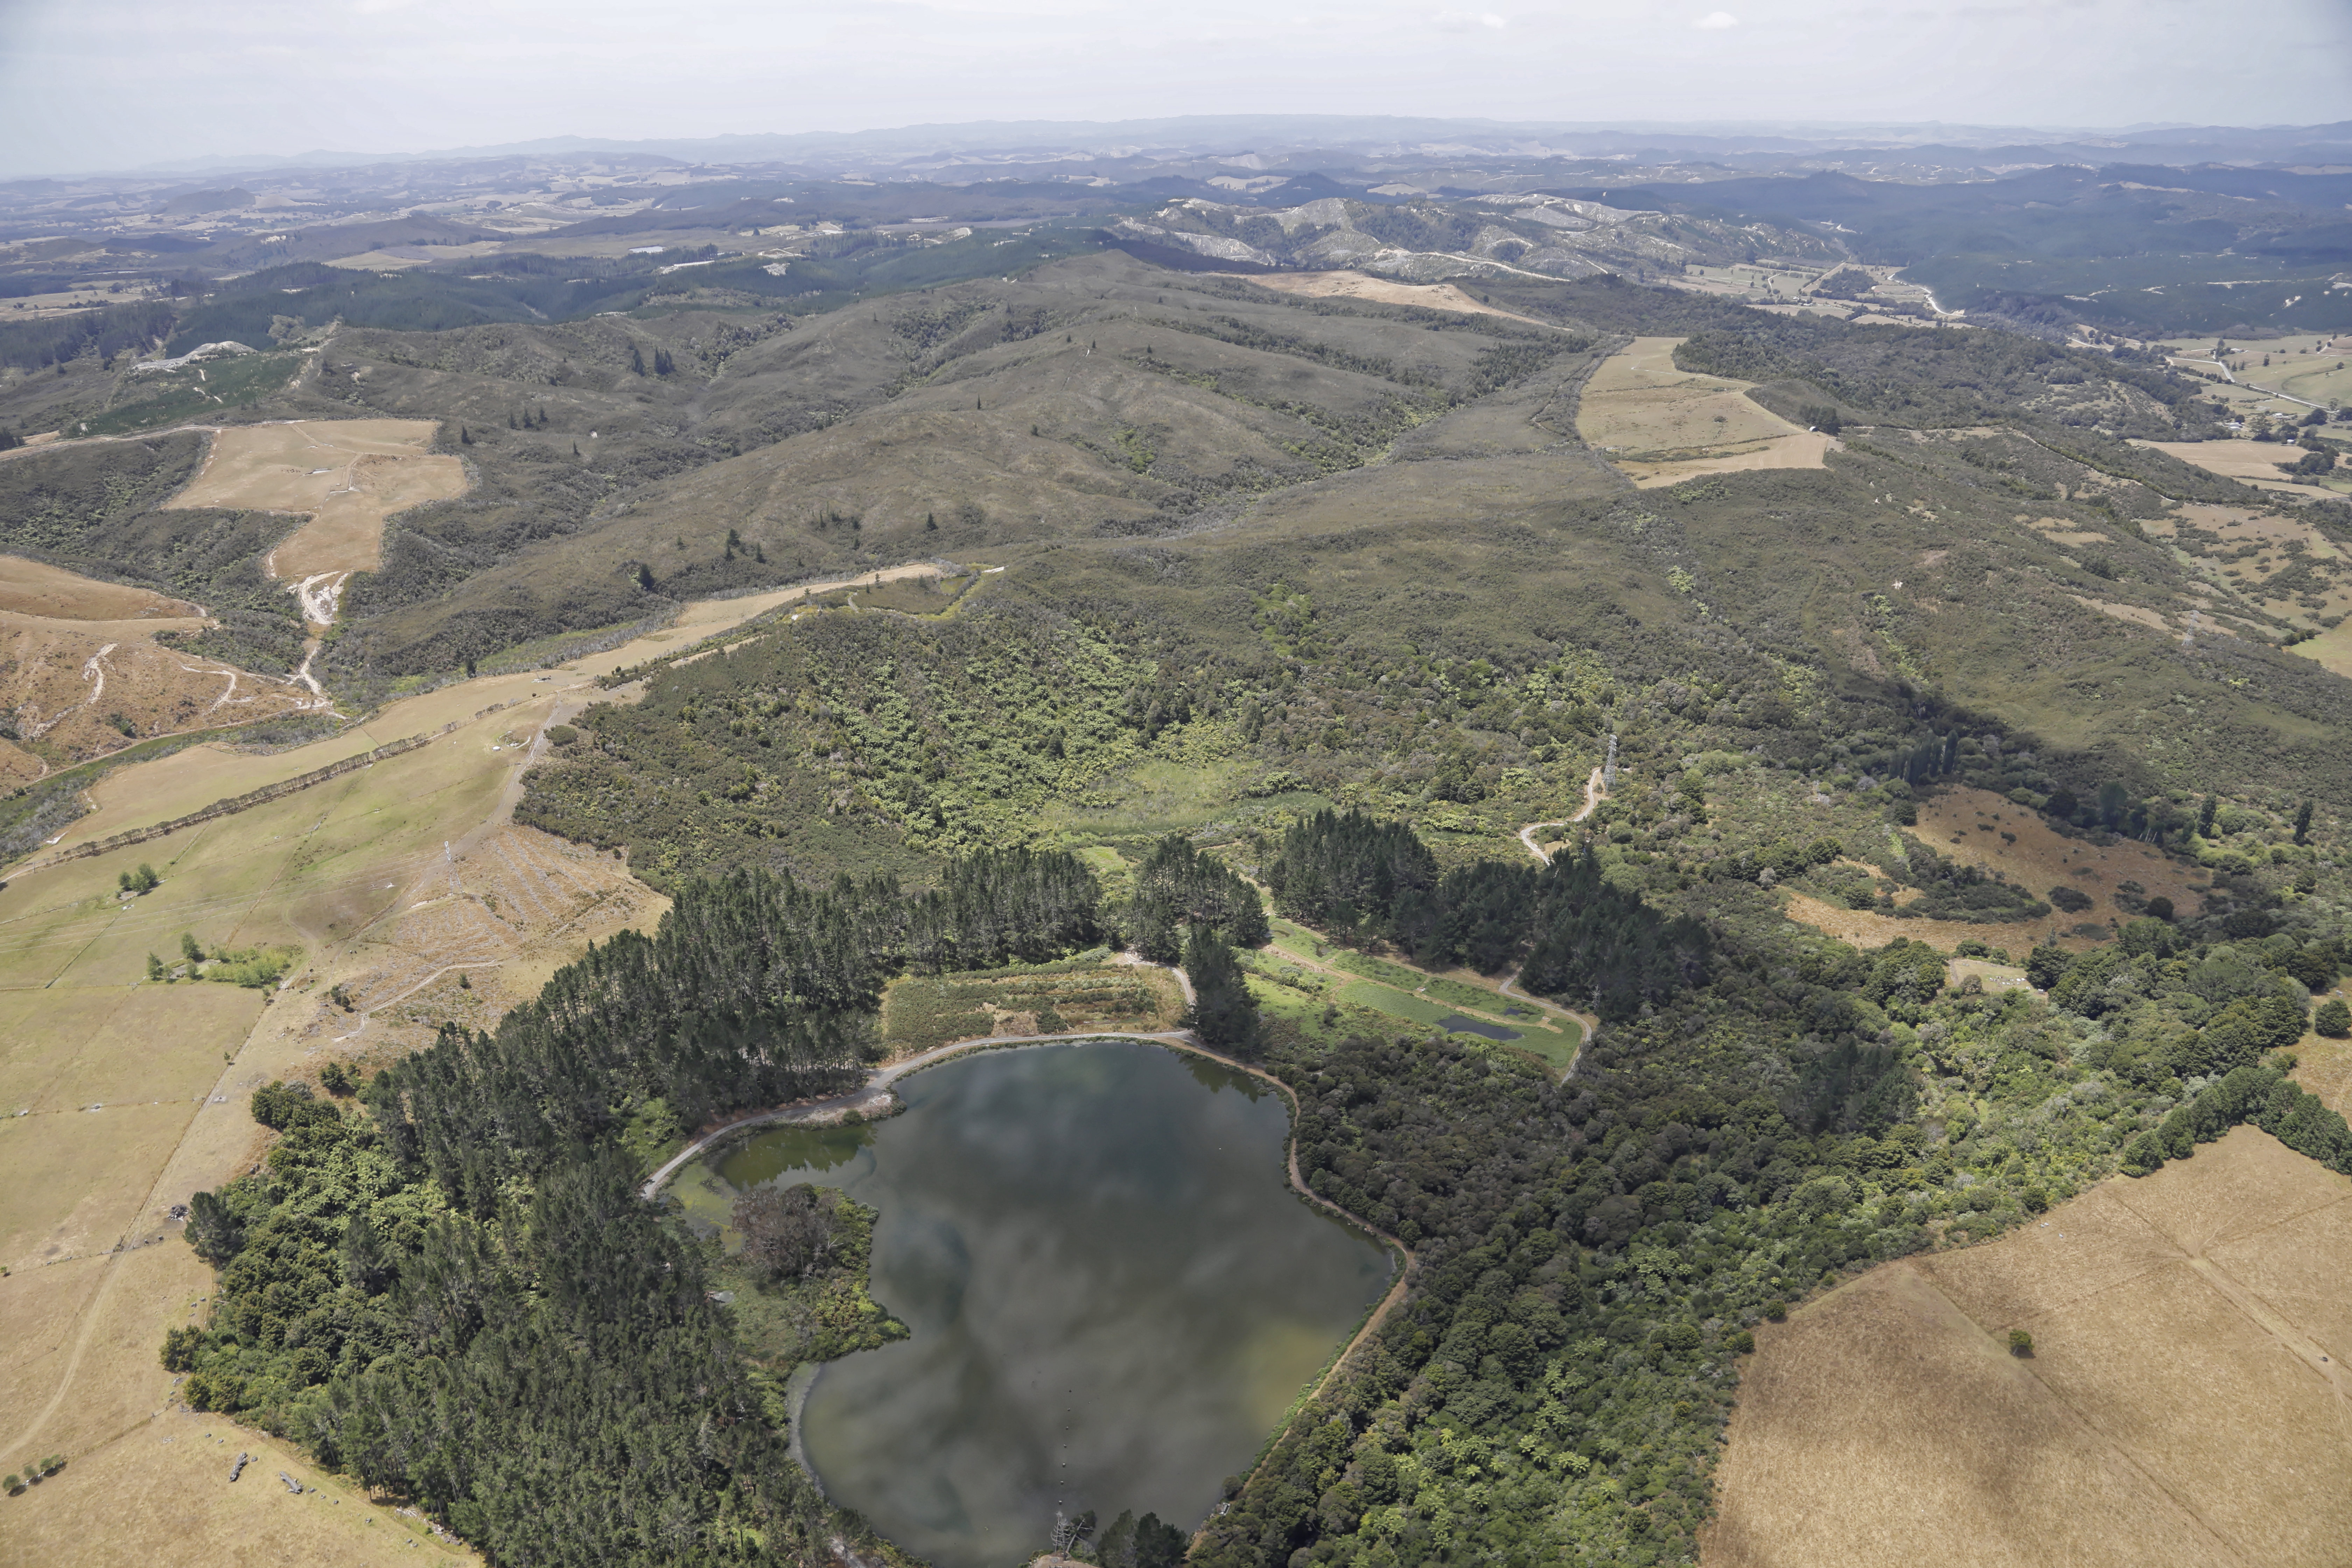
{"points": [[1114, 1293]]}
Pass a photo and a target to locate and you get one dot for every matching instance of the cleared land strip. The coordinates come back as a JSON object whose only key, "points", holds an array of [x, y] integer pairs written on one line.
{"points": [[252, 798]]}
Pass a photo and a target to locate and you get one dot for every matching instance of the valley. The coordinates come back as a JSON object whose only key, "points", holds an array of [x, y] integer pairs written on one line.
{"points": [[1772, 798]]}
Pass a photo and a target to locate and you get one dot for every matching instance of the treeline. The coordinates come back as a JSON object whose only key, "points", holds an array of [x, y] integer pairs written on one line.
{"points": [[2269, 1100], [1582, 938], [1003, 906], [35, 345], [1177, 887], [458, 1296]]}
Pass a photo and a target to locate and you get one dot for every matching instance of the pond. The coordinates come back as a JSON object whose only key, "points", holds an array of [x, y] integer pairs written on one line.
{"points": [[1458, 1025], [1114, 1293]]}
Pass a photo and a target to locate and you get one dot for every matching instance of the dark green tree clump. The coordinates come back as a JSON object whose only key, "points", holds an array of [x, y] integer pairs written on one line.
{"points": [[1477, 916], [1603, 943], [1178, 887], [1001, 906], [1366, 881], [1352, 875], [1132, 1542], [1223, 1014], [787, 1234]]}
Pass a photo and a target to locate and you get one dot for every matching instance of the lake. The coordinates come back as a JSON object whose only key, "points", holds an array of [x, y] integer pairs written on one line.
{"points": [[1114, 1293]]}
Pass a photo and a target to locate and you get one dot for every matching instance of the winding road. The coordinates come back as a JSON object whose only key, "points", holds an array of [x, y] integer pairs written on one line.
{"points": [[1593, 795]]}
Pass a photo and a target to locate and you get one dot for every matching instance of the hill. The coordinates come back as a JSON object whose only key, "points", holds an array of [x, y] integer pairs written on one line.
{"points": [[1221, 587]]}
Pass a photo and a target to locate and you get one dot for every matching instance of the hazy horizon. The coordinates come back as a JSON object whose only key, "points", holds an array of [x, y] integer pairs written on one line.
{"points": [[125, 84]]}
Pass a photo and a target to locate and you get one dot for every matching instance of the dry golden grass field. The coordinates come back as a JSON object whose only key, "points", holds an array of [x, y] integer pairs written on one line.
{"points": [[1976, 826], [1661, 426], [2184, 1403], [1987, 830], [1379, 290], [2332, 649], [2324, 1067], [33, 588], [348, 474], [2254, 462], [120, 1097]]}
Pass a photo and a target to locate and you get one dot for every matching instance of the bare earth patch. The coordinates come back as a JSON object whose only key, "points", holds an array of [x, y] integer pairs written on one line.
{"points": [[2182, 1405], [77, 684], [1968, 825], [1379, 290], [1864, 928], [348, 474], [1660, 425]]}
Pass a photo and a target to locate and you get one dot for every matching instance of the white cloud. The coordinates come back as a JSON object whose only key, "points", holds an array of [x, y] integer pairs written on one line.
{"points": [[383, 76]]}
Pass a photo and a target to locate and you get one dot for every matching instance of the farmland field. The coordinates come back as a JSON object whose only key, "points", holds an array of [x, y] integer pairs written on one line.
{"points": [[1661, 426], [349, 474], [2183, 1402], [2254, 462]]}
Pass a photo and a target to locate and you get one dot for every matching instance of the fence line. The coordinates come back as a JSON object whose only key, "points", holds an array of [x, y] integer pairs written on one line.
{"points": [[252, 798]]}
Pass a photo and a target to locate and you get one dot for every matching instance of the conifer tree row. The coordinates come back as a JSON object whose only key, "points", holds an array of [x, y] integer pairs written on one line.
{"points": [[1178, 886], [1583, 939], [1003, 905]]}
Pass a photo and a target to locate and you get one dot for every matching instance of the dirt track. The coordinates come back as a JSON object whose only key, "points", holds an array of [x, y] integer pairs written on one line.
{"points": [[349, 475]]}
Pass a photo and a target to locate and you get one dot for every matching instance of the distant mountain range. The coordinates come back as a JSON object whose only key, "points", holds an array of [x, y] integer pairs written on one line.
{"points": [[1240, 135]]}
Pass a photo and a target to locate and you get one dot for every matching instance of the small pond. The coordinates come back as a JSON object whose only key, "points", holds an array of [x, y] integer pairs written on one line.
{"points": [[1114, 1293], [1458, 1025]]}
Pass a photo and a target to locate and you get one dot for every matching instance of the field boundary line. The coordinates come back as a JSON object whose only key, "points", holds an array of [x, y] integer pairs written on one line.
{"points": [[266, 795], [2221, 1546]]}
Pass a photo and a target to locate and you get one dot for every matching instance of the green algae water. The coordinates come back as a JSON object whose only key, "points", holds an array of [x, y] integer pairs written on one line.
{"points": [[1114, 1294]]}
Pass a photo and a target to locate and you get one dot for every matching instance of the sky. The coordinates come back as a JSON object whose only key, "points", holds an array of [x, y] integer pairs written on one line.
{"points": [[119, 84]]}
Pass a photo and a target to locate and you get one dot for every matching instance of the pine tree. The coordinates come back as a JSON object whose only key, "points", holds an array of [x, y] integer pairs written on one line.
{"points": [[1223, 1014]]}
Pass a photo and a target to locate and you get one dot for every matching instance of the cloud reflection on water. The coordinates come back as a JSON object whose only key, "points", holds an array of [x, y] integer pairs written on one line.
{"points": [[1112, 1289]]}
